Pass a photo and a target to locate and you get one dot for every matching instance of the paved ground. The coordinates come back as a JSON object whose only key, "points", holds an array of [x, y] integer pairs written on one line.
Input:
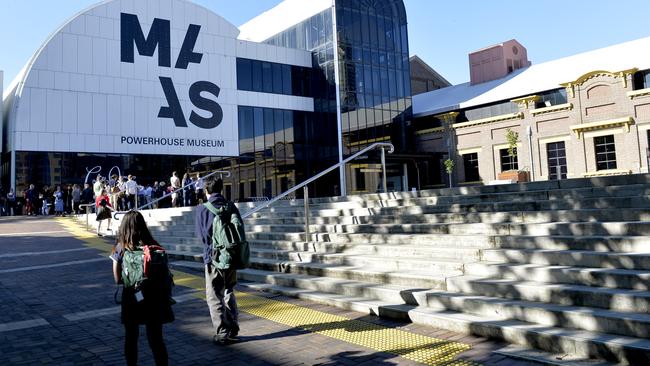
{"points": [[57, 308]]}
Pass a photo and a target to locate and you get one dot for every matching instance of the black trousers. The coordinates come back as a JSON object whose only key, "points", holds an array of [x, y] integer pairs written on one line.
{"points": [[155, 339]]}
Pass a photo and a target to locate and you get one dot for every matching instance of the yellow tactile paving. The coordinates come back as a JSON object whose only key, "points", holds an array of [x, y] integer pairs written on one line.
{"points": [[414, 347]]}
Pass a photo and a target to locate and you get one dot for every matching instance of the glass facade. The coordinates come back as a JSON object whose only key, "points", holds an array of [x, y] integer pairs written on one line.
{"points": [[269, 77], [281, 148], [374, 79], [41, 168], [316, 34]]}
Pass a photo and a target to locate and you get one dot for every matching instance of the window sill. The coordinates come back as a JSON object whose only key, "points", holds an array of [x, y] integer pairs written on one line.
{"points": [[551, 109], [606, 173], [639, 93]]}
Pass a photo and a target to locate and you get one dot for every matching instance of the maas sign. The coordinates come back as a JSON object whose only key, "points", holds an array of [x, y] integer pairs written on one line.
{"points": [[128, 76]]}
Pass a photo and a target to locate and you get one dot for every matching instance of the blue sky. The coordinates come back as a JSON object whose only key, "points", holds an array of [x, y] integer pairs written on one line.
{"points": [[441, 32]]}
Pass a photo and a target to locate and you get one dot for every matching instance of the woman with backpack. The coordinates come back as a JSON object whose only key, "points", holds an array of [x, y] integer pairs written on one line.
{"points": [[145, 303], [104, 210]]}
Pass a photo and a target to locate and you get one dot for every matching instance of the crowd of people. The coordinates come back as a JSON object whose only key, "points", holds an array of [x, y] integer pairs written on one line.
{"points": [[124, 193]]}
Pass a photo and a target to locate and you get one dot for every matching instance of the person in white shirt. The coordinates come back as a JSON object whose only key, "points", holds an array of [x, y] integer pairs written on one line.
{"points": [[176, 184], [131, 192], [198, 185]]}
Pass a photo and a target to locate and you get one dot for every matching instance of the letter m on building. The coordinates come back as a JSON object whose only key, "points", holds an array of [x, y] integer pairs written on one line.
{"points": [[133, 36]]}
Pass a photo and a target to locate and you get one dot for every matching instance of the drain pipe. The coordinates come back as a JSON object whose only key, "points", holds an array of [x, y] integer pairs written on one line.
{"points": [[529, 133]]}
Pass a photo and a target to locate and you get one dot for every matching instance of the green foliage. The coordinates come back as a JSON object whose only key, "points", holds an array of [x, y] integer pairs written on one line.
{"points": [[449, 166], [512, 138]]}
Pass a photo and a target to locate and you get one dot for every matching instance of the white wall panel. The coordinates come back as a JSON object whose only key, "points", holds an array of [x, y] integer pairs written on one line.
{"points": [[80, 97], [54, 111]]}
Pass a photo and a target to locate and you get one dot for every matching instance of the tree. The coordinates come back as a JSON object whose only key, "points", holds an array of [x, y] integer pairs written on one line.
{"points": [[512, 138], [449, 167]]}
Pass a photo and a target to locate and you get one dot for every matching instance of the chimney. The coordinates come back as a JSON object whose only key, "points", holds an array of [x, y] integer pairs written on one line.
{"points": [[496, 62]]}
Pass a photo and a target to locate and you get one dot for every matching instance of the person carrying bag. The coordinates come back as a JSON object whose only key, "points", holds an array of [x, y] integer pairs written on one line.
{"points": [[141, 265]]}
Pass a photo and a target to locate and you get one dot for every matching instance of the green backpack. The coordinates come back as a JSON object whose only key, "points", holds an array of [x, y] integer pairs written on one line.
{"points": [[146, 265], [230, 249]]}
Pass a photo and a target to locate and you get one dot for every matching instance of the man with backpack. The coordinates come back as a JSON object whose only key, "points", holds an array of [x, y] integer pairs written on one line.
{"points": [[220, 228]]}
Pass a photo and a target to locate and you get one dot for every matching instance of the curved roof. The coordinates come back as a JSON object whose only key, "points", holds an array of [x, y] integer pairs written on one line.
{"points": [[534, 79], [75, 93]]}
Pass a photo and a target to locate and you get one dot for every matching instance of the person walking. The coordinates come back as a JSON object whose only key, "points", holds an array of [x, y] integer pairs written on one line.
{"points": [[188, 191], [199, 190], [131, 193], [98, 186], [145, 305], [11, 202], [59, 202], [220, 282], [104, 209], [76, 199], [31, 196], [175, 184], [87, 196]]}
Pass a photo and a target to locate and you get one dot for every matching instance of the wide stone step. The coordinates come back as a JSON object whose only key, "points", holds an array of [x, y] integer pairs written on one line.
{"points": [[580, 258], [382, 250], [414, 278], [590, 319], [455, 218], [635, 202], [482, 195], [542, 229], [570, 242], [389, 293], [598, 277], [473, 241], [597, 297], [580, 343]]}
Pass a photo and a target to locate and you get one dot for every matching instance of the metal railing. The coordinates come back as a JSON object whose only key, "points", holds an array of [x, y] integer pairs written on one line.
{"points": [[304, 185], [139, 208]]}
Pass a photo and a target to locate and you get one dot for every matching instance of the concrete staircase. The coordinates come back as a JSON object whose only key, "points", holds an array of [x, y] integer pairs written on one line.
{"points": [[559, 266]]}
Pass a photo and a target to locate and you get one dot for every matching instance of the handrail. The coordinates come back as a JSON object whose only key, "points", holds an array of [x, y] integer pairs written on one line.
{"points": [[222, 172], [382, 145]]}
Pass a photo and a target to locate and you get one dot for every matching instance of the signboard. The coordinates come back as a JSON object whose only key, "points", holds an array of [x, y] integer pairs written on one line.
{"points": [[129, 76]]}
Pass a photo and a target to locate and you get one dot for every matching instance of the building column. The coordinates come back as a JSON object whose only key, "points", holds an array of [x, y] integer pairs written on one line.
{"points": [[448, 120]]}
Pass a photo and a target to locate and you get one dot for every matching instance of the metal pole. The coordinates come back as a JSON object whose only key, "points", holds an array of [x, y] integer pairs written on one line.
{"points": [[529, 132], [87, 208], [307, 233], [383, 169], [339, 118]]}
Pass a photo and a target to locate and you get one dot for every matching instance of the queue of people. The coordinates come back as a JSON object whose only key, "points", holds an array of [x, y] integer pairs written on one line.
{"points": [[125, 193]]}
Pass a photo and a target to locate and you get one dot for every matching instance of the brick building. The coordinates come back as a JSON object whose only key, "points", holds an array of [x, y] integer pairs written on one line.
{"points": [[581, 116]]}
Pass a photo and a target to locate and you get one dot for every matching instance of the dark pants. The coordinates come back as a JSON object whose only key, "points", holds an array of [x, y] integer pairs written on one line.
{"points": [[155, 339], [130, 202], [220, 295]]}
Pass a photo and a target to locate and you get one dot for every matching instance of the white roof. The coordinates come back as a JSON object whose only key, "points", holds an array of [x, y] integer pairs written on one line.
{"points": [[535, 79], [280, 18]]}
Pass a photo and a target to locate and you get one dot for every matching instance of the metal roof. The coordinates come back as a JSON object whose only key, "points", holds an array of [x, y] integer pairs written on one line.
{"points": [[535, 79]]}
